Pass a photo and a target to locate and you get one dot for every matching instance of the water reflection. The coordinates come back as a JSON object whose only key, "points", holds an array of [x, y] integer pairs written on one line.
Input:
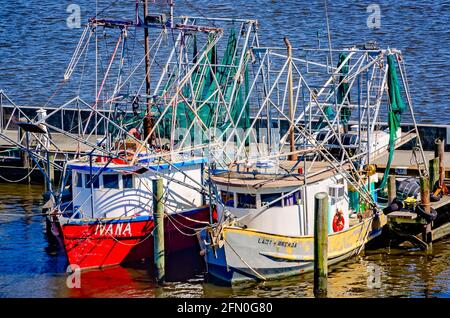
{"points": [[32, 266]]}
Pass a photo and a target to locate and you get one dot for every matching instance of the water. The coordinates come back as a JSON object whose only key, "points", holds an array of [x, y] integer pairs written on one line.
{"points": [[30, 266], [36, 43], [35, 47]]}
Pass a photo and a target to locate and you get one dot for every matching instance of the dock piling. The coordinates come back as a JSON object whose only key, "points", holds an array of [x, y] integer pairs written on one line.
{"points": [[425, 198], [392, 189], [321, 244], [439, 150], [158, 232]]}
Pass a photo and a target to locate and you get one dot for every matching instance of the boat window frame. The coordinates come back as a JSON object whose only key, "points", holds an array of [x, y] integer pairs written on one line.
{"points": [[86, 177], [122, 179], [247, 194], [111, 174], [272, 205], [233, 194], [77, 177], [298, 198]]}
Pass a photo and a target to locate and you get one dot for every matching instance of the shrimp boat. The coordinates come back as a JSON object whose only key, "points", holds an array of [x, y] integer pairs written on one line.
{"points": [[108, 219], [319, 136]]}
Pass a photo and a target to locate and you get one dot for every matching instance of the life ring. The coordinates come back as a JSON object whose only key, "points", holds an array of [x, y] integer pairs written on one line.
{"points": [[338, 221]]}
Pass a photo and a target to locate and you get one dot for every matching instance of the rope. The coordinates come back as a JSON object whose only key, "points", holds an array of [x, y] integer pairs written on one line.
{"points": [[184, 233], [19, 180], [134, 244], [252, 269], [171, 219]]}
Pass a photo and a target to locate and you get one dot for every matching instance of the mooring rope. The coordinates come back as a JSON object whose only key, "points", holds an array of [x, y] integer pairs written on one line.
{"points": [[21, 179]]}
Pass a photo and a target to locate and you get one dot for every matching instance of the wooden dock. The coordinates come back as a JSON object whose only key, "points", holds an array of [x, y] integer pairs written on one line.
{"points": [[403, 163], [61, 142]]}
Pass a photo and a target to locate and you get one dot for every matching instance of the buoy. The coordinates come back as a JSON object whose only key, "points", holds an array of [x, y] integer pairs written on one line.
{"points": [[338, 221]]}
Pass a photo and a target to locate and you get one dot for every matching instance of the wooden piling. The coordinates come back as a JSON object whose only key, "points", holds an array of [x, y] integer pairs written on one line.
{"points": [[439, 150], [425, 198], [158, 232], [320, 244], [392, 189]]}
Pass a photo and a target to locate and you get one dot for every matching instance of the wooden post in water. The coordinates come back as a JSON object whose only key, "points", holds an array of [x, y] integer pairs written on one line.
{"points": [[158, 232], [293, 156], [425, 198], [439, 150], [320, 244], [392, 189], [433, 168]]}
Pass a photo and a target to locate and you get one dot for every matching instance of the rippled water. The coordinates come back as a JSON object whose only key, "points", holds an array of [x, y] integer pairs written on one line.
{"points": [[36, 44], [30, 266]]}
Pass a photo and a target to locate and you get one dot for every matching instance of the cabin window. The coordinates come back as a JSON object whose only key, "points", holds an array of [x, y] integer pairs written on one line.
{"points": [[88, 181], [227, 198], [78, 180], [292, 199], [127, 181], [246, 200], [111, 181], [267, 198]]}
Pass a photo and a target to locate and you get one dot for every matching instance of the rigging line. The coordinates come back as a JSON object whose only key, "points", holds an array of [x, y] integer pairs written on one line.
{"points": [[104, 9], [108, 69], [328, 33], [141, 61], [83, 69], [189, 4], [58, 88]]}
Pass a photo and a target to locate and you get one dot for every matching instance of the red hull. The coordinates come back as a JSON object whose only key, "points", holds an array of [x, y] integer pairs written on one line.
{"points": [[103, 243]]}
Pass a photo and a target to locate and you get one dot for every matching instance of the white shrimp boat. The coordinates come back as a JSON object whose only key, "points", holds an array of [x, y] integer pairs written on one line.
{"points": [[265, 201]]}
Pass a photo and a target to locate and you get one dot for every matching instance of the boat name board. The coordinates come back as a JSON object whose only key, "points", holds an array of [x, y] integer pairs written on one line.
{"points": [[117, 229], [276, 243]]}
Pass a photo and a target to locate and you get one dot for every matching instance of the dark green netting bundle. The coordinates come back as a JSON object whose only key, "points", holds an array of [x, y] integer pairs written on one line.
{"points": [[396, 109], [209, 103], [342, 90]]}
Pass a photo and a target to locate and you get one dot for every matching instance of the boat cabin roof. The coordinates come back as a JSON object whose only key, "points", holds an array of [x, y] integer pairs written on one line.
{"points": [[84, 164], [315, 171]]}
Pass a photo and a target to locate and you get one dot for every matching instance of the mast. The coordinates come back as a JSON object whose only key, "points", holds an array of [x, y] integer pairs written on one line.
{"points": [[293, 156], [148, 121]]}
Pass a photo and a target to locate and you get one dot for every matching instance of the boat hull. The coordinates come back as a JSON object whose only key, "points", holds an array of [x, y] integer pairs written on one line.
{"points": [[107, 242], [249, 255]]}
